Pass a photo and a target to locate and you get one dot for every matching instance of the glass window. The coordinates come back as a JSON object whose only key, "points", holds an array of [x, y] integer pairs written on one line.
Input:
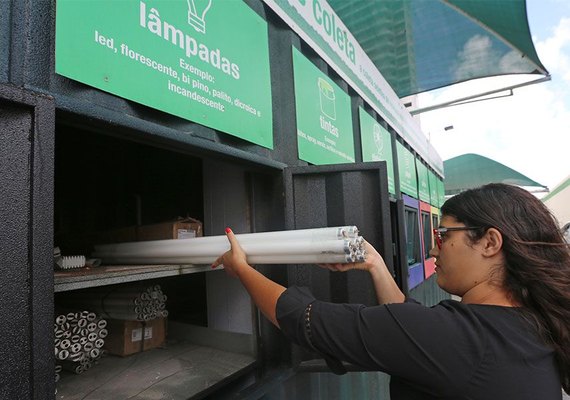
{"points": [[435, 224], [412, 235], [427, 234]]}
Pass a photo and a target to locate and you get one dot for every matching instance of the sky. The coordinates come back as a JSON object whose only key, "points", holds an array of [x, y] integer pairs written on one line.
{"points": [[530, 131]]}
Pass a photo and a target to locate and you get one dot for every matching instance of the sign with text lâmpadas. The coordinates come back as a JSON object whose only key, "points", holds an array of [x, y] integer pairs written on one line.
{"points": [[376, 144], [206, 61], [324, 122]]}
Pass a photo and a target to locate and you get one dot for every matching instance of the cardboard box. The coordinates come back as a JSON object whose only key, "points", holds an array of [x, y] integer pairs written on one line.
{"points": [[130, 337], [181, 228]]}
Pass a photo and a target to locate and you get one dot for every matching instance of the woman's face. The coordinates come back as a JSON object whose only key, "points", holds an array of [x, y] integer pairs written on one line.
{"points": [[459, 263]]}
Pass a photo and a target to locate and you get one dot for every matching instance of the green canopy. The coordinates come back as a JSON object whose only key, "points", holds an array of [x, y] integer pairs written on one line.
{"points": [[472, 170], [420, 45]]}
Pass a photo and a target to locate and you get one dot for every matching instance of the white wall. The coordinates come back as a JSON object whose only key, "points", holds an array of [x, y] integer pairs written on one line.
{"points": [[559, 204]]}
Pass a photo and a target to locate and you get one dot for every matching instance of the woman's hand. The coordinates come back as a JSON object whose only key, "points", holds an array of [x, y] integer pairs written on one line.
{"points": [[234, 259], [373, 259], [262, 290], [387, 291]]}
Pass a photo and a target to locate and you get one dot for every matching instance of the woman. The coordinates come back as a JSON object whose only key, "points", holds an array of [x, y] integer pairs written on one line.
{"points": [[500, 250]]}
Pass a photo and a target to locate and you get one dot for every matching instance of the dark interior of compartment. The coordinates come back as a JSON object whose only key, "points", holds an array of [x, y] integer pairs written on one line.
{"points": [[102, 183], [187, 298]]}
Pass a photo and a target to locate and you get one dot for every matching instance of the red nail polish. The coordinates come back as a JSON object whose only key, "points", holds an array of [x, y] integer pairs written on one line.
{"points": [[228, 230]]}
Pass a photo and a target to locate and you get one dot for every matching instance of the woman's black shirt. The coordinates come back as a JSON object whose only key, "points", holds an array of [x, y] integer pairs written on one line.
{"points": [[448, 351]]}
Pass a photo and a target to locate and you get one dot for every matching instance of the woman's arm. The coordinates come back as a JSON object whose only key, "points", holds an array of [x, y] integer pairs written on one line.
{"points": [[262, 290], [387, 291], [265, 292]]}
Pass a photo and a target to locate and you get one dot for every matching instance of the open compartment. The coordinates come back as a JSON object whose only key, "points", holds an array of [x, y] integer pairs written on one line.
{"points": [[104, 184]]}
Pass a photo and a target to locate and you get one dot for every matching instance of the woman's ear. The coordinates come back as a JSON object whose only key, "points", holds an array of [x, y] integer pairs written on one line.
{"points": [[492, 242]]}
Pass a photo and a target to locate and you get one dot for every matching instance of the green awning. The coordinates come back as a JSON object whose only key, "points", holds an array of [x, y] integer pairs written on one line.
{"points": [[420, 45], [472, 170]]}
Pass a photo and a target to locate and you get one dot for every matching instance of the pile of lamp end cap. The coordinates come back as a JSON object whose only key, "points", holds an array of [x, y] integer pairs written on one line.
{"points": [[79, 340], [79, 335], [304, 246]]}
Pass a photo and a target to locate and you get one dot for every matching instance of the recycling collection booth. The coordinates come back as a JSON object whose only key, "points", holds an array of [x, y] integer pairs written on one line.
{"points": [[260, 116]]}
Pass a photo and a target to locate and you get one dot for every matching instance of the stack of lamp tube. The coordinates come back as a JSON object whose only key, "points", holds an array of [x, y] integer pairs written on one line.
{"points": [[127, 303], [304, 246]]}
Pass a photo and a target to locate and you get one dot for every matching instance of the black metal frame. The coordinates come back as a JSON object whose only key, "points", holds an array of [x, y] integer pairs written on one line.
{"points": [[331, 195], [26, 254]]}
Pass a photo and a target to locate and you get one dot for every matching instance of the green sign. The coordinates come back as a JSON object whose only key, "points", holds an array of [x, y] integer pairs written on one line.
{"points": [[407, 171], [433, 189], [324, 119], [317, 23], [376, 144], [423, 181], [441, 192], [206, 61]]}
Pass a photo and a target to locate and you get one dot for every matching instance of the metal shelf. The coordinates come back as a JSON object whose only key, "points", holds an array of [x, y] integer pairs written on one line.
{"points": [[113, 274], [177, 371]]}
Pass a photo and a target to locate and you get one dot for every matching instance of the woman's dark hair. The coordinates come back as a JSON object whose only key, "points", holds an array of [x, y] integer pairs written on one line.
{"points": [[537, 258]]}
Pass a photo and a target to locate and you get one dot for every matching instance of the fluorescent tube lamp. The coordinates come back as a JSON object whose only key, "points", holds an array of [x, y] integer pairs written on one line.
{"points": [[304, 246]]}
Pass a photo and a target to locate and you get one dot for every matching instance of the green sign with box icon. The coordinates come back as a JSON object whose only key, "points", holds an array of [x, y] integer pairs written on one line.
{"points": [[407, 171], [433, 189], [324, 118], [376, 144], [423, 181]]}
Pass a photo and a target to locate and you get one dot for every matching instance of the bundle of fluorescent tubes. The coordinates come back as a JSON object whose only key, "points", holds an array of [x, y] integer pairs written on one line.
{"points": [[136, 303], [305, 246]]}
